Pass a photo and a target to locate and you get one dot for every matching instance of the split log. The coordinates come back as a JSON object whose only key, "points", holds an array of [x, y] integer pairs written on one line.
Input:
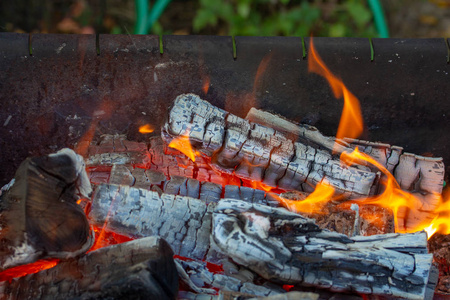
{"points": [[257, 152], [39, 215], [285, 247], [140, 269]]}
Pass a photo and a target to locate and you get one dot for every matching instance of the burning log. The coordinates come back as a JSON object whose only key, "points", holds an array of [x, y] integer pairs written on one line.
{"points": [[413, 172], [285, 247], [142, 269], [256, 152], [39, 215]]}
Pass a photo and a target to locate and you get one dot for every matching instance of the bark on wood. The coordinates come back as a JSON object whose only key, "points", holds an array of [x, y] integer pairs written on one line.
{"points": [[257, 152], [140, 269], [255, 236], [39, 216]]}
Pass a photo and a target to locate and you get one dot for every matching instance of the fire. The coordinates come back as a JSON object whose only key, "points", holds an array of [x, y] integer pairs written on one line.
{"points": [[394, 198], [206, 83], [183, 145], [315, 201], [351, 123], [440, 223], [147, 128]]}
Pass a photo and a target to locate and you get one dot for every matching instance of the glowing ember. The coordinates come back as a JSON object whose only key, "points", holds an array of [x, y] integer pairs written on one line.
{"points": [[183, 145], [351, 123], [147, 128], [32, 268]]}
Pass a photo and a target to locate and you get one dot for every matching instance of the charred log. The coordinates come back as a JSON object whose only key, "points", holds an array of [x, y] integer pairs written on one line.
{"points": [[140, 269], [196, 276], [285, 247], [39, 215], [184, 222], [257, 152]]}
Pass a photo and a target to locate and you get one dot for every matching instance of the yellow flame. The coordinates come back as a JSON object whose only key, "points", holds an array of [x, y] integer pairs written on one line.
{"points": [[183, 145], [147, 128], [315, 201]]}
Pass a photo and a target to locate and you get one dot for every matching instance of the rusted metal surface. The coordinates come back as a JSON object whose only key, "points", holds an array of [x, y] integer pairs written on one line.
{"points": [[51, 98]]}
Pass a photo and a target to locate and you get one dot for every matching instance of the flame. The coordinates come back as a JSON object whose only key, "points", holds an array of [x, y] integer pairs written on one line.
{"points": [[183, 144], [440, 223], [260, 186], [394, 198], [147, 128], [32, 268], [315, 201], [351, 123], [206, 83]]}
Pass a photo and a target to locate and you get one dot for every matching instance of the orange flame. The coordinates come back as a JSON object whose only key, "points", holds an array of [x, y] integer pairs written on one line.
{"points": [[206, 83], [315, 201], [393, 197], [183, 144], [440, 223], [147, 128], [351, 123]]}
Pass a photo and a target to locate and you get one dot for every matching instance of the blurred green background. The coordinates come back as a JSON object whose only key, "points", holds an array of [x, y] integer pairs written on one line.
{"points": [[336, 18]]}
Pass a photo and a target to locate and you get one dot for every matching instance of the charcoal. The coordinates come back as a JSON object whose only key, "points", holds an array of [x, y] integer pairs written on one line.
{"points": [[39, 214], [140, 269], [257, 152], [210, 192], [255, 236]]}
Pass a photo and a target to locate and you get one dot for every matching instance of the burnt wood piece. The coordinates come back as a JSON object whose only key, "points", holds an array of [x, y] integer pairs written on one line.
{"points": [[413, 172], [285, 247], [140, 269], [39, 214], [184, 222], [199, 279], [257, 152]]}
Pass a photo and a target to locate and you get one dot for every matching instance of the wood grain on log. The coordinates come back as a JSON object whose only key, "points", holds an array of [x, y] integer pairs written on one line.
{"points": [[39, 215], [257, 152], [285, 247], [140, 269]]}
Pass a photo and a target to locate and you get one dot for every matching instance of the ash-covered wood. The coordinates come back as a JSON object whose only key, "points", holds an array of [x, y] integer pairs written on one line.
{"points": [[200, 280], [140, 269], [285, 247], [39, 215], [184, 222], [257, 152]]}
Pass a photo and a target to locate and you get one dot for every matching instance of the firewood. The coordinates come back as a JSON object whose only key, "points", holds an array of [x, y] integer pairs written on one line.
{"points": [[39, 215], [285, 247], [140, 269], [257, 152], [305, 133]]}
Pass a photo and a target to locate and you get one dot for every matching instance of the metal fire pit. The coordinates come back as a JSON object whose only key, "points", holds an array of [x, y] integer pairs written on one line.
{"points": [[54, 88]]}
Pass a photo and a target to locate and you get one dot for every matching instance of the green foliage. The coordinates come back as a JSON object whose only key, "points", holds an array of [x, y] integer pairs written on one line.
{"points": [[285, 17]]}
